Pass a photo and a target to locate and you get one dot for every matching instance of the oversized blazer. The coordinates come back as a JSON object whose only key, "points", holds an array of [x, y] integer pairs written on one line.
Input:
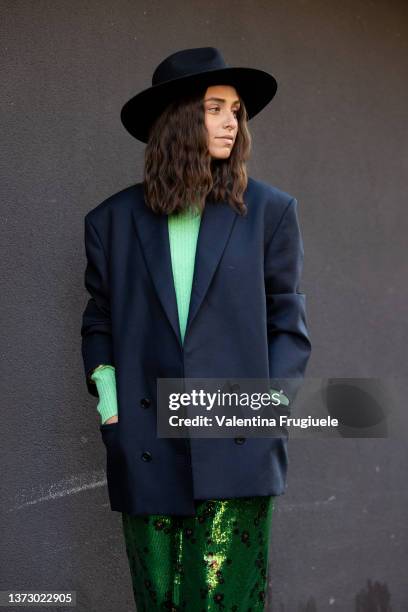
{"points": [[246, 319]]}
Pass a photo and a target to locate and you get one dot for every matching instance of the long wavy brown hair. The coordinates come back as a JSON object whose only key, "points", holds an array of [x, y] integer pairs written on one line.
{"points": [[179, 171]]}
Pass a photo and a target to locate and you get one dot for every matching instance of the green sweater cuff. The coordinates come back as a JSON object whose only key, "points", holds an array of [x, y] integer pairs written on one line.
{"points": [[105, 380]]}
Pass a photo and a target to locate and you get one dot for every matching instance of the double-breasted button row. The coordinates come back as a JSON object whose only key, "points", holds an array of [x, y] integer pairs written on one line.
{"points": [[145, 402]]}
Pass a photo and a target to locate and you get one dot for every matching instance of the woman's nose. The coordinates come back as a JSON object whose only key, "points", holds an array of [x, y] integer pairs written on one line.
{"points": [[231, 120]]}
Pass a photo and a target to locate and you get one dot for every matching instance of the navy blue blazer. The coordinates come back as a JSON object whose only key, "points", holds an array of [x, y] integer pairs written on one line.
{"points": [[246, 319]]}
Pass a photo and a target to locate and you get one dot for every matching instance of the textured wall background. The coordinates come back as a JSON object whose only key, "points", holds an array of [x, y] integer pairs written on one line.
{"points": [[336, 138]]}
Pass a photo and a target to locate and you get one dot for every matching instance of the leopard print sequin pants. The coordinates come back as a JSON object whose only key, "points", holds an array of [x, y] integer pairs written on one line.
{"points": [[216, 560]]}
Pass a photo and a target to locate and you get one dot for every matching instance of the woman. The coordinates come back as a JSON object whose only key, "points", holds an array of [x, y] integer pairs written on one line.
{"points": [[193, 273]]}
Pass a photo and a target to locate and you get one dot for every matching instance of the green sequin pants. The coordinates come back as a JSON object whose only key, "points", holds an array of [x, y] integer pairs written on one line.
{"points": [[216, 560]]}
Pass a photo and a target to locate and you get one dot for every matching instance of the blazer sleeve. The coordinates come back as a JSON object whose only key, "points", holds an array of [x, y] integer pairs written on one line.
{"points": [[289, 346], [96, 329]]}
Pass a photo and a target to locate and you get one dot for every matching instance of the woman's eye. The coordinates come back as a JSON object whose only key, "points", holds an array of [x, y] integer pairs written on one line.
{"points": [[216, 108]]}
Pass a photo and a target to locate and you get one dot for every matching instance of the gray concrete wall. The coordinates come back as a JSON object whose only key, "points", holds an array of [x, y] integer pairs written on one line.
{"points": [[336, 138]]}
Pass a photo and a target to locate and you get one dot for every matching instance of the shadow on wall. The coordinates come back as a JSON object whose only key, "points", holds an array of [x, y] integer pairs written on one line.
{"points": [[375, 597]]}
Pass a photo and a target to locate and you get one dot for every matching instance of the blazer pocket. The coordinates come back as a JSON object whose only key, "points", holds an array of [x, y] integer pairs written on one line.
{"points": [[109, 433], [105, 426]]}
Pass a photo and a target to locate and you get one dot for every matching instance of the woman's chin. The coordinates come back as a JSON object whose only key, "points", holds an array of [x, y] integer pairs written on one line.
{"points": [[221, 154]]}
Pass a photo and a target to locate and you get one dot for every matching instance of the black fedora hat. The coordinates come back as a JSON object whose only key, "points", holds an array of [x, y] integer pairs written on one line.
{"points": [[180, 73]]}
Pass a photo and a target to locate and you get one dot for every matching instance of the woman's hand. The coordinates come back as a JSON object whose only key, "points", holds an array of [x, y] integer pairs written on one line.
{"points": [[112, 419]]}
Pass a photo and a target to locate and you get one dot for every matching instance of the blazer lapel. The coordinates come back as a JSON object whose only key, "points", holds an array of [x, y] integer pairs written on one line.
{"points": [[216, 226]]}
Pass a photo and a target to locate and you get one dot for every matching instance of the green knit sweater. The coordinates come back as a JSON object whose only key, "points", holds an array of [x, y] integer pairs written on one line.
{"points": [[183, 234]]}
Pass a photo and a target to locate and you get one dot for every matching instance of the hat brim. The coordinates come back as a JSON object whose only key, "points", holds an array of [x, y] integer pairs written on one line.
{"points": [[256, 87]]}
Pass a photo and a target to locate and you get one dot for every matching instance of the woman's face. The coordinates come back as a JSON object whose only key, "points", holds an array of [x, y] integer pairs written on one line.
{"points": [[221, 105]]}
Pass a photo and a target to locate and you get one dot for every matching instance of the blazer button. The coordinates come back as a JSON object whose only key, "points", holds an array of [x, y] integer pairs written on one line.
{"points": [[239, 440], [145, 402], [146, 456]]}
